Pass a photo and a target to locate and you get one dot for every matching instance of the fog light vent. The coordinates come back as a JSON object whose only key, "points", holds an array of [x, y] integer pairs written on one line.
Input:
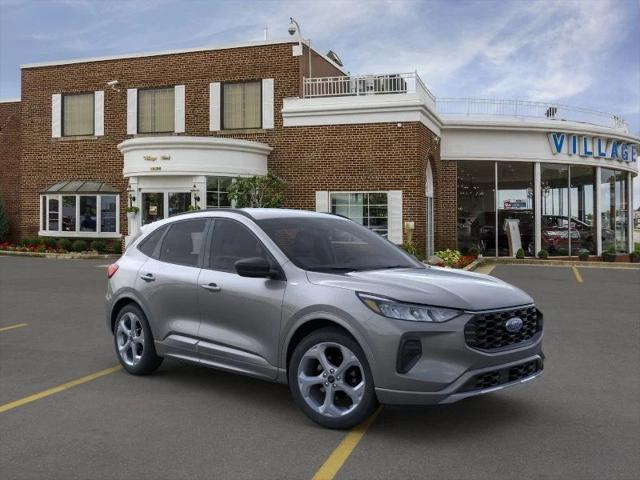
{"points": [[409, 353]]}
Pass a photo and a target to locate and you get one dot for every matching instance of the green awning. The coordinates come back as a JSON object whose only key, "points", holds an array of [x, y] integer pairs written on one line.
{"points": [[80, 186]]}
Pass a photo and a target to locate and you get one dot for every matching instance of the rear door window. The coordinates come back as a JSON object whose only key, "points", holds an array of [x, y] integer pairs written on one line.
{"points": [[183, 242]]}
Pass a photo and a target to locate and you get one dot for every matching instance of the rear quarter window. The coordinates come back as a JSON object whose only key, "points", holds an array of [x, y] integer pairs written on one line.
{"points": [[149, 244]]}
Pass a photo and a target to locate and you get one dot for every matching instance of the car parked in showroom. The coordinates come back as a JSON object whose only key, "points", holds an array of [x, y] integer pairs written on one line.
{"points": [[316, 301]]}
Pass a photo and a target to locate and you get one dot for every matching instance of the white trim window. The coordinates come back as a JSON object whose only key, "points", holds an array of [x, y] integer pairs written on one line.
{"points": [[80, 215], [242, 105], [370, 209], [217, 188]]}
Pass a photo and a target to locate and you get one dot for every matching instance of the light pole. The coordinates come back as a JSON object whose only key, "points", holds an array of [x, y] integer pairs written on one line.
{"points": [[293, 28]]}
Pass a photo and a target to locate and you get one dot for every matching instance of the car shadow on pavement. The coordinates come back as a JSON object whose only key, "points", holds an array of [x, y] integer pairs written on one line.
{"points": [[474, 417]]}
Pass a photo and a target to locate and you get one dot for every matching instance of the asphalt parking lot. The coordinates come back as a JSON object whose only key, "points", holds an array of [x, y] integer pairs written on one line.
{"points": [[581, 419]]}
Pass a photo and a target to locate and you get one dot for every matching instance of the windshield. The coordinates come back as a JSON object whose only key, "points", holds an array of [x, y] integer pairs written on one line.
{"points": [[334, 244]]}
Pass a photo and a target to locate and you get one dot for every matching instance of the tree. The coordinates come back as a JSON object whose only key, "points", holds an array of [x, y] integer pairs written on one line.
{"points": [[260, 191], [4, 222]]}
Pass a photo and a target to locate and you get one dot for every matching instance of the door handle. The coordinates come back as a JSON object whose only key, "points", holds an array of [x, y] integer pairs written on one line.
{"points": [[212, 287], [148, 277]]}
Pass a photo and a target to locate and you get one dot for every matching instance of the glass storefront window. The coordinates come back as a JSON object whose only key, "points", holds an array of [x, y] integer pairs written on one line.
{"points": [[217, 188], [108, 213], [179, 202], [476, 206], [516, 221], [88, 214], [582, 205], [614, 210], [69, 213], [554, 181]]}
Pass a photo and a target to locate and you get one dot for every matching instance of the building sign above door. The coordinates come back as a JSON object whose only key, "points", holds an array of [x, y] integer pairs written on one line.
{"points": [[596, 147]]}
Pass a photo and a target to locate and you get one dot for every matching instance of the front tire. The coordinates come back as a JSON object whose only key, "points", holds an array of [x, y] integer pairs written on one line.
{"points": [[134, 342], [330, 379]]}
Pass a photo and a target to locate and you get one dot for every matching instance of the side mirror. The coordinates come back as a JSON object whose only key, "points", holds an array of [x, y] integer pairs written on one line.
{"points": [[254, 267]]}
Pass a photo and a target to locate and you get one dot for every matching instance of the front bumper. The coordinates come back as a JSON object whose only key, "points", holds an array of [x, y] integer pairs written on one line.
{"points": [[450, 365], [459, 389]]}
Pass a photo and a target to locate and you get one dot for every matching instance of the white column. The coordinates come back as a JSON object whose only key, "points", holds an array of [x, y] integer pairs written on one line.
{"points": [[537, 188], [598, 212]]}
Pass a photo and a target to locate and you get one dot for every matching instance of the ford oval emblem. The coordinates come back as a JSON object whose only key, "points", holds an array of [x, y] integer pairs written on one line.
{"points": [[514, 325]]}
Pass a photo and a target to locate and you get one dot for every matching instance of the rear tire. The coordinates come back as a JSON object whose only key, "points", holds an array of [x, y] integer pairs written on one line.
{"points": [[330, 379], [134, 342]]}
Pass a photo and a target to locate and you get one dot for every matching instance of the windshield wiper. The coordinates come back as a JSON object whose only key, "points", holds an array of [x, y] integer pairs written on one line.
{"points": [[386, 267], [322, 268]]}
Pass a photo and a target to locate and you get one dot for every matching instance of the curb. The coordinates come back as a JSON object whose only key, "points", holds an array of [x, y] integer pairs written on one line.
{"points": [[59, 256], [565, 263]]}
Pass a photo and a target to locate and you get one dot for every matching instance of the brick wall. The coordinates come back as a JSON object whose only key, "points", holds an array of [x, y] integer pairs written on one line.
{"points": [[340, 157], [47, 160], [10, 162]]}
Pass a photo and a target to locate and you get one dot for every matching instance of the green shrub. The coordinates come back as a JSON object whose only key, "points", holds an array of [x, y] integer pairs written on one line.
{"points": [[449, 257], [79, 246], [260, 191], [99, 246], [48, 242], [583, 254], [65, 244], [28, 241], [520, 253], [611, 250], [116, 247], [543, 254], [411, 249]]}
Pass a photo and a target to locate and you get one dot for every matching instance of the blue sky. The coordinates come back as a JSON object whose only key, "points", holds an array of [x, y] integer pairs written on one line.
{"points": [[583, 52]]}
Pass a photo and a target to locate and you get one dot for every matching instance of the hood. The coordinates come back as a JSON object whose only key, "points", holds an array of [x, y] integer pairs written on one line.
{"points": [[441, 287]]}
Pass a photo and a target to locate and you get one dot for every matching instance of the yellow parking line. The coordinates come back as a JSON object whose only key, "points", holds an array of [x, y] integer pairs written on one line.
{"points": [[333, 464], [11, 327], [60, 388], [576, 273]]}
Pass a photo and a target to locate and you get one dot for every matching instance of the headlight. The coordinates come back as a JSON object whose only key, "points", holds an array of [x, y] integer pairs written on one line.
{"points": [[390, 308]]}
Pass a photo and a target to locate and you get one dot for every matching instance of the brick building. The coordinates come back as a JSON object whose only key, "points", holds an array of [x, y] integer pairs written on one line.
{"points": [[170, 130]]}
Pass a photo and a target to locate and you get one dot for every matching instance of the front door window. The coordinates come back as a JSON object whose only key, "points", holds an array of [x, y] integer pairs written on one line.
{"points": [[152, 207]]}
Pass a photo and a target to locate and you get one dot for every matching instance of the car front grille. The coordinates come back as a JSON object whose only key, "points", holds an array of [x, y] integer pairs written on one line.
{"points": [[487, 331], [503, 376]]}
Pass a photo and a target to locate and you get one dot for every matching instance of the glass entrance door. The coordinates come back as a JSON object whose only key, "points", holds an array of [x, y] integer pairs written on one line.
{"points": [[152, 207]]}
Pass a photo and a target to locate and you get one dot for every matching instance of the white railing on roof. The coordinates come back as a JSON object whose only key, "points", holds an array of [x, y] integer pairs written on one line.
{"points": [[375, 84], [527, 109]]}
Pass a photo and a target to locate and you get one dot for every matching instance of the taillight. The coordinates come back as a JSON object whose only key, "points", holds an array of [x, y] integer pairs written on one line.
{"points": [[112, 269]]}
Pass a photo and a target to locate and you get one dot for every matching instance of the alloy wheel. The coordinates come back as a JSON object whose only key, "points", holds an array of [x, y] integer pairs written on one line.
{"points": [[130, 339], [331, 379]]}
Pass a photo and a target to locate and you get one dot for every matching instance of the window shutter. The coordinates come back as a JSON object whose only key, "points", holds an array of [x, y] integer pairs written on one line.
{"points": [[394, 199], [214, 106], [179, 108], [56, 115], [98, 112], [322, 201], [132, 111], [267, 103]]}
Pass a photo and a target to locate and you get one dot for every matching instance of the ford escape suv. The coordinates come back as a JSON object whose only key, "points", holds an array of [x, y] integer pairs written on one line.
{"points": [[315, 300]]}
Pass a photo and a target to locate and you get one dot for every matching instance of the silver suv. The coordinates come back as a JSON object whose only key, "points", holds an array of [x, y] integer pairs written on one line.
{"points": [[315, 300]]}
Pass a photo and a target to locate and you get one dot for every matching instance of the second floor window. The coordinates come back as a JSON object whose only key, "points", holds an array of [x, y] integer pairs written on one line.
{"points": [[77, 114], [242, 105], [156, 110]]}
